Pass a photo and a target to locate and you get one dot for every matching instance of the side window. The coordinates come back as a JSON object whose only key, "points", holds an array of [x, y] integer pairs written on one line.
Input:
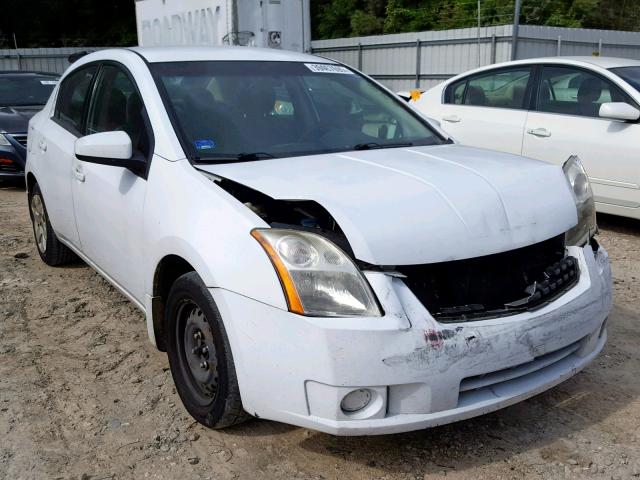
{"points": [[72, 97], [572, 91], [116, 105], [498, 89]]}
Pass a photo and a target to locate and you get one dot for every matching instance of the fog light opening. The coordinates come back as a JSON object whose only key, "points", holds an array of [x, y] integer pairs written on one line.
{"points": [[355, 400]]}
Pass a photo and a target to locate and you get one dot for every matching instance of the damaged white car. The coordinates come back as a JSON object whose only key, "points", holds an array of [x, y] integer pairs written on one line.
{"points": [[307, 248]]}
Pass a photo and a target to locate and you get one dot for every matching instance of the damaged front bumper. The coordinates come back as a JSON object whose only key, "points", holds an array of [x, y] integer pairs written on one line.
{"points": [[415, 372]]}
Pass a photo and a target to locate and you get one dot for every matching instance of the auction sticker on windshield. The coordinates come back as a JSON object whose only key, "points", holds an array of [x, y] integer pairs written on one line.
{"points": [[327, 68]]}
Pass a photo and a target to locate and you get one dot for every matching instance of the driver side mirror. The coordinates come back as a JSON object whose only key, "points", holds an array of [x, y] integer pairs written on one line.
{"points": [[109, 148], [619, 111]]}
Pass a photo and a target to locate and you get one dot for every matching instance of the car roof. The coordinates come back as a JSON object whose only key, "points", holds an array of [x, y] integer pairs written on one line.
{"points": [[602, 62], [585, 61], [195, 54]]}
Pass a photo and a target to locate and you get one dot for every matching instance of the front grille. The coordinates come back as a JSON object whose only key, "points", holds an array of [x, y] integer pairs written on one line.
{"points": [[494, 285], [21, 138]]}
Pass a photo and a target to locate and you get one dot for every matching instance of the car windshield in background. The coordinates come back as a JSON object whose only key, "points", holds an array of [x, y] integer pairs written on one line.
{"points": [[17, 90], [631, 75], [243, 111]]}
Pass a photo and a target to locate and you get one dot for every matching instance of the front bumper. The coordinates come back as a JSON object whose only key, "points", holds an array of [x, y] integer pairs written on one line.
{"points": [[420, 373]]}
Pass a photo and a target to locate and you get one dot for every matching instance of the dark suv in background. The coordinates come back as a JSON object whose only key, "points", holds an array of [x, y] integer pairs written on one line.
{"points": [[22, 95]]}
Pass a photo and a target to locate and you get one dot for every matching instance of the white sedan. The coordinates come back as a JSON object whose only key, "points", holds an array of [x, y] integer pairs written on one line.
{"points": [[550, 109], [307, 248]]}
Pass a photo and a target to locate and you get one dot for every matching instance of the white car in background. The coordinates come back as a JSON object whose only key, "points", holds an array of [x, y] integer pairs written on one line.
{"points": [[550, 109], [307, 248]]}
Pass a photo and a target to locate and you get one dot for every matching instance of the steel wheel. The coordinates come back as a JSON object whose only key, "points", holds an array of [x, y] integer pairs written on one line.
{"points": [[52, 251], [200, 355], [39, 222], [198, 352]]}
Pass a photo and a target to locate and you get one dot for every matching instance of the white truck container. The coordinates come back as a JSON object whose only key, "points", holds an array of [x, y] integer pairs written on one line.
{"points": [[281, 24]]}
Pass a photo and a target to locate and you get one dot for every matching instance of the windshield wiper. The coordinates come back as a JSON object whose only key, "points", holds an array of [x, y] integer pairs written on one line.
{"points": [[374, 145], [251, 157], [241, 157]]}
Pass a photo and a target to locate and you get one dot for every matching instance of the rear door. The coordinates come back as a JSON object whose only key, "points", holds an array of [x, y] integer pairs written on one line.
{"points": [[488, 109], [566, 122], [109, 201], [55, 143]]}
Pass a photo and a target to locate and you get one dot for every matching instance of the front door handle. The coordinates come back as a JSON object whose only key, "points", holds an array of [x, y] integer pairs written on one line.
{"points": [[539, 132], [452, 118], [79, 174], [42, 145]]}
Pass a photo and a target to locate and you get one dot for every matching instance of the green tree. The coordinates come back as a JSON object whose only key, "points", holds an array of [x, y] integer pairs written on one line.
{"points": [[410, 16], [365, 23], [342, 18], [333, 18], [55, 23]]}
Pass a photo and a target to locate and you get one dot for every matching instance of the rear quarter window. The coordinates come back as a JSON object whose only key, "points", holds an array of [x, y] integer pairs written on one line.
{"points": [[455, 92]]}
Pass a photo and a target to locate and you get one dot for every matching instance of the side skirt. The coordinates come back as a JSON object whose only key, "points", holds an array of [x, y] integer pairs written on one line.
{"points": [[105, 275]]}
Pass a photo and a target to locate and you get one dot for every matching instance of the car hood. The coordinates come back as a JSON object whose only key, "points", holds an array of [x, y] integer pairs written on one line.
{"points": [[16, 119], [405, 206]]}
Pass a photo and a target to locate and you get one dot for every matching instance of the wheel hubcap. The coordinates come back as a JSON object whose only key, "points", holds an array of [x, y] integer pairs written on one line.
{"points": [[200, 352], [39, 222]]}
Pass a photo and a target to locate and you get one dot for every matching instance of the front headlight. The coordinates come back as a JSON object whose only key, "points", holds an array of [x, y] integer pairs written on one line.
{"points": [[317, 277], [4, 141], [583, 195]]}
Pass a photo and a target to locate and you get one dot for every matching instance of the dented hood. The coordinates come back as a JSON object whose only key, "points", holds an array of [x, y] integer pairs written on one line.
{"points": [[418, 205]]}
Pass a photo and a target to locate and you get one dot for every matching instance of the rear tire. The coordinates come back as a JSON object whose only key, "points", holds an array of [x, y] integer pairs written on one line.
{"points": [[51, 250], [200, 355]]}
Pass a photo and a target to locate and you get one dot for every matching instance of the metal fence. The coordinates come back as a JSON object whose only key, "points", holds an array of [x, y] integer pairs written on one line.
{"points": [[423, 59], [407, 60], [39, 59]]}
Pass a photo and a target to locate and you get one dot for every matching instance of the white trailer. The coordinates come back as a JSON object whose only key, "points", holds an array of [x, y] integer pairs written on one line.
{"points": [[281, 24]]}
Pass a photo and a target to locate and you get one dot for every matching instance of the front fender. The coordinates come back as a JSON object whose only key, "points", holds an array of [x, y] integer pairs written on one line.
{"points": [[187, 215]]}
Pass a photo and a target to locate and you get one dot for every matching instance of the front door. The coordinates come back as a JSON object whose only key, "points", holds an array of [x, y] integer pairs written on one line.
{"points": [[109, 201], [566, 122]]}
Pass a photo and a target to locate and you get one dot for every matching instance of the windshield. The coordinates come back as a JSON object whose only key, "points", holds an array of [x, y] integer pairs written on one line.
{"points": [[240, 110], [631, 75], [23, 90]]}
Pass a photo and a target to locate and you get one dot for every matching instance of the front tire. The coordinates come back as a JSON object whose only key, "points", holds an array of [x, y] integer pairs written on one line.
{"points": [[200, 355], [52, 251]]}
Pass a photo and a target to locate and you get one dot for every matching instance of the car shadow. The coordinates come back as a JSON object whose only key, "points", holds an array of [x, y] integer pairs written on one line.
{"points": [[543, 423], [630, 226], [13, 185]]}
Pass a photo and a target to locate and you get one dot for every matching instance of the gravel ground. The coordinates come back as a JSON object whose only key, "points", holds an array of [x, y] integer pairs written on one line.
{"points": [[83, 395]]}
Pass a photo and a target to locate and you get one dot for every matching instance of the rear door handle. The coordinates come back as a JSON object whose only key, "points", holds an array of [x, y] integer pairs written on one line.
{"points": [[539, 132], [42, 145], [452, 118], [78, 173]]}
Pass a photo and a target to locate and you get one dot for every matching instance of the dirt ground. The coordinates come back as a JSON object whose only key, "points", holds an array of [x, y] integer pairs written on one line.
{"points": [[84, 395]]}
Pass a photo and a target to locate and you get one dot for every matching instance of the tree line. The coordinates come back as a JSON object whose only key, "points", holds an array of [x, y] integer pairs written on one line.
{"points": [[347, 18]]}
